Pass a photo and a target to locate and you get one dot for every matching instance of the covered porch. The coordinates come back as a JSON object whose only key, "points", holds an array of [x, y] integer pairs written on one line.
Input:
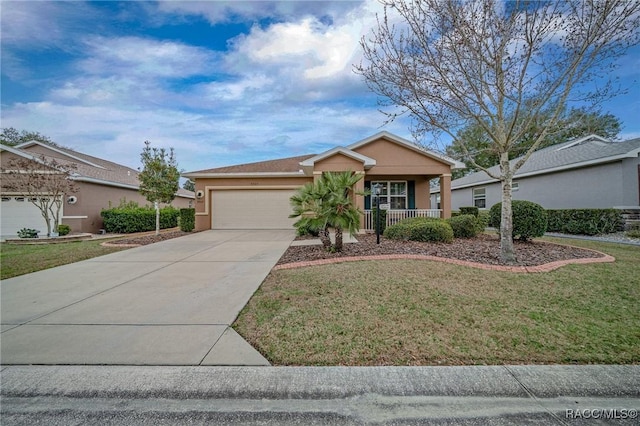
{"points": [[394, 216]]}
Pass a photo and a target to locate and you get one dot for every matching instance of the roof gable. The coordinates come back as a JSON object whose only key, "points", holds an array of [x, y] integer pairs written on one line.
{"points": [[387, 136], [309, 163]]}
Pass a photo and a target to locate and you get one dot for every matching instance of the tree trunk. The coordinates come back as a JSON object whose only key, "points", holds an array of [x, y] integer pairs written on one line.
{"points": [[324, 237], [338, 245], [157, 218], [507, 253]]}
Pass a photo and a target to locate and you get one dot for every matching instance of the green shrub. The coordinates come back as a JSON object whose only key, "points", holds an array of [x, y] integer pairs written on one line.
{"points": [[420, 229], [125, 220], [470, 210], [63, 230], [187, 219], [483, 220], [28, 233], [464, 226], [529, 219], [584, 221], [304, 230]]}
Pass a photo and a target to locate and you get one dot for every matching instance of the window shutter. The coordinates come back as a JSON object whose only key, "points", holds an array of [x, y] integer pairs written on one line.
{"points": [[411, 192], [367, 199]]}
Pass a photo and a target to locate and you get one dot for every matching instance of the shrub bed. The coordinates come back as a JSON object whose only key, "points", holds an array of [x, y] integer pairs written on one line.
{"points": [[584, 221], [129, 219], [529, 219], [464, 226], [420, 229]]}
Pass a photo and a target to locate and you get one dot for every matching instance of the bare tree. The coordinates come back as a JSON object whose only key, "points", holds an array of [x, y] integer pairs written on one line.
{"points": [[499, 65], [43, 182]]}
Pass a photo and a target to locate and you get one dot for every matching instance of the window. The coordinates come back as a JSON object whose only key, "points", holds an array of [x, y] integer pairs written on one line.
{"points": [[480, 197], [6, 198], [19, 199], [393, 193], [515, 186]]}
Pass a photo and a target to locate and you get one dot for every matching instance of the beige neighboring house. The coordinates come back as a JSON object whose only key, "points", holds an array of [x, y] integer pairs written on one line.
{"points": [[256, 195], [101, 184]]}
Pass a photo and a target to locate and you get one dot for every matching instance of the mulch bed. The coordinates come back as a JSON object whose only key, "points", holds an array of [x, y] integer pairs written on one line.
{"points": [[151, 238], [482, 249]]}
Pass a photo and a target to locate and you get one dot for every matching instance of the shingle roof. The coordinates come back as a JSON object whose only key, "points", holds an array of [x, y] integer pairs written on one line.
{"points": [[577, 153], [94, 168], [282, 165]]}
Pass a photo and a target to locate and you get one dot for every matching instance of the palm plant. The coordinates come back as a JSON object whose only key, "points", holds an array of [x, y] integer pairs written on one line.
{"points": [[328, 203]]}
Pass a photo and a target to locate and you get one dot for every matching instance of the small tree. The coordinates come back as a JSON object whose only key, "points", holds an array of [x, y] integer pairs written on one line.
{"points": [[328, 203], [501, 65], [159, 179], [43, 181]]}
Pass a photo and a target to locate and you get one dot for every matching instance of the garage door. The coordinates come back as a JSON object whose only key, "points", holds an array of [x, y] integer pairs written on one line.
{"points": [[17, 213], [251, 209]]}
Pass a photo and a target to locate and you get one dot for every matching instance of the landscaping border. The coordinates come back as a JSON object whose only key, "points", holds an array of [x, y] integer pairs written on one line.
{"points": [[546, 267]]}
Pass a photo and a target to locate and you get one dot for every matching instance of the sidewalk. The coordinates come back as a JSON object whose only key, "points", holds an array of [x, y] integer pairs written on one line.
{"points": [[321, 395]]}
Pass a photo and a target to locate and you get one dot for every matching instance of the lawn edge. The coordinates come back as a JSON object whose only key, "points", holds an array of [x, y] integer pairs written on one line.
{"points": [[546, 267]]}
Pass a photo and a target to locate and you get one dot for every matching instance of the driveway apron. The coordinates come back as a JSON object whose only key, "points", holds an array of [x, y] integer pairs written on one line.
{"points": [[169, 303]]}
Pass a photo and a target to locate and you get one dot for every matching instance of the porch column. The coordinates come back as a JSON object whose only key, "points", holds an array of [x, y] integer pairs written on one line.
{"points": [[445, 195], [316, 176]]}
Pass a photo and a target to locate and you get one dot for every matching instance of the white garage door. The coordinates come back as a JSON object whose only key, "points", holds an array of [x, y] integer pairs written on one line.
{"points": [[17, 213], [251, 209]]}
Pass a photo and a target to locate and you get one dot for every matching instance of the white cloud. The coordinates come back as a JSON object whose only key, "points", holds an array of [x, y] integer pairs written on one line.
{"points": [[145, 57]]}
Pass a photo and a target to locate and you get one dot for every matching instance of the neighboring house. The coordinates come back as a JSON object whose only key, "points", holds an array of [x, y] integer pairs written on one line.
{"points": [[590, 172], [101, 184], [256, 195]]}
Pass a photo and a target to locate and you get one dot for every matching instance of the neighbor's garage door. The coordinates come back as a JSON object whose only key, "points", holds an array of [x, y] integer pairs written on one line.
{"points": [[17, 213], [251, 209]]}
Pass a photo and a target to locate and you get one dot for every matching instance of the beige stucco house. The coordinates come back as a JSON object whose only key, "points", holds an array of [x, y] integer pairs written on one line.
{"points": [[101, 184], [256, 195]]}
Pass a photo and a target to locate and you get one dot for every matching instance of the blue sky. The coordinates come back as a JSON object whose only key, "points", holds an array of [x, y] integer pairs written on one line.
{"points": [[221, 82]]}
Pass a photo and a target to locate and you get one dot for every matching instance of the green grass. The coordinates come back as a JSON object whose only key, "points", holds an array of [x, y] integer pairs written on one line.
{"points": [[404, 312], [22, 259]]}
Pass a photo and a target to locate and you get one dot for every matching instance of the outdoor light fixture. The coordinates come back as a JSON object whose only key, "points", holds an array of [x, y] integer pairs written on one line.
{"points": [[377, 188], [72, 199], [199, 194]]}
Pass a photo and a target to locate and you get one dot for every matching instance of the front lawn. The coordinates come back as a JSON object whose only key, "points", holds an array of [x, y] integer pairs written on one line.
{"points": [[22, 259], [403, 312]]}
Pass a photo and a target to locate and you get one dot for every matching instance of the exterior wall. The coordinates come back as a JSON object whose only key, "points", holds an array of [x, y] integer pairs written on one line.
{"points": [[338, 163], [394, 159], [84, 215], [202, 205], [630, 182], [590, 187]]}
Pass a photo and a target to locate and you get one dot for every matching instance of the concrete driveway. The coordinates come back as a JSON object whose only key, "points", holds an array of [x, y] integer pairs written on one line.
{"points": [[169, 303]]}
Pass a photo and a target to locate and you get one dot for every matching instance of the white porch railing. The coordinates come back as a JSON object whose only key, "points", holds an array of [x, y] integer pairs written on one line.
{"points": [[394, 216]]}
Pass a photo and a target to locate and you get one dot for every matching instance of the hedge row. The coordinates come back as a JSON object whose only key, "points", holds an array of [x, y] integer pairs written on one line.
{"points": [[138, 219], [584, 221], [187, 219]]}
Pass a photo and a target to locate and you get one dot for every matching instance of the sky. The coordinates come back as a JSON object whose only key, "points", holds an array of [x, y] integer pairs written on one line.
{"points": [[221, 82]]}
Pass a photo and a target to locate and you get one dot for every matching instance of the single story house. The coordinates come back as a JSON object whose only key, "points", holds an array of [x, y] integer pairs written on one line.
{"points": [[256, 195], [590, 172], [101, 184]]}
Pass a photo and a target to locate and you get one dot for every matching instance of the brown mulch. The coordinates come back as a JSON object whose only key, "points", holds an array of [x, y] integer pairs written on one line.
{"points": [[150, 238], [482, 249]]}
